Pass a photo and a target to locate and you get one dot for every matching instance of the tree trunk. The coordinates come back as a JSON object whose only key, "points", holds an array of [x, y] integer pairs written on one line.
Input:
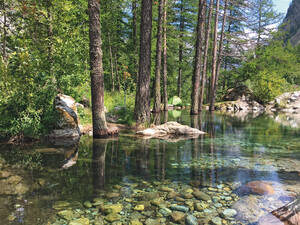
{"points": [[142, 104], [165, 69], [97, 81], [220, 56], [111, 63], [197, 60], [214, 60], [205, 57], [157, 97], [181, 29]]}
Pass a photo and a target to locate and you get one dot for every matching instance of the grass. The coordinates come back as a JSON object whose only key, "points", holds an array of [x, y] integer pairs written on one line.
{"points": [[114, 103]]}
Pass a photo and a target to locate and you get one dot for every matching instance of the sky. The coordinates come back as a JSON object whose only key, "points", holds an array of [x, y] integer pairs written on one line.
{"points": [[282, 5]]}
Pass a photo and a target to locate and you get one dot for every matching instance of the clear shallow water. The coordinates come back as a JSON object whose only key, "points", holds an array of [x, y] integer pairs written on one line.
{"points": [[235, 151]]}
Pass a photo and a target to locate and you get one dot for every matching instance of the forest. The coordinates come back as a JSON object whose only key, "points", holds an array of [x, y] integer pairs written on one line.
{"points": [[149, 112], [149, 51]]}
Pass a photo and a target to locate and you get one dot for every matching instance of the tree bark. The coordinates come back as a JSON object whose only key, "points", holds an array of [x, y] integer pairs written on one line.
{"points": [[111, 63], [97, 81], [165, 69], [197, 60], [181, 29], [220, 56], [142, 104], [214, 59], [205, 57], [157, 96]]}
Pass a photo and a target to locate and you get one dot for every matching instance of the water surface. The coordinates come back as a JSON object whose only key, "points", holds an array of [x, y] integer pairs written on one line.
{"points": [[235, 151]]}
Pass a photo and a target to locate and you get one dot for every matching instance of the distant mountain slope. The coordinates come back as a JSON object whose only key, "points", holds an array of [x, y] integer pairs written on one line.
{"points": [[292, 22]]}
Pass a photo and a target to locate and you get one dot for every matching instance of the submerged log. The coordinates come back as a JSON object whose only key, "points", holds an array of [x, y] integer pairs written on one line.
{"points": [[170, 128], [289, 213]]}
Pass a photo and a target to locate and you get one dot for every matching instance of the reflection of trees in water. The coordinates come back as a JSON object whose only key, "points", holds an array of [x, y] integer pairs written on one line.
{"points": [[159, 160], [142, 159], [98, 164]]}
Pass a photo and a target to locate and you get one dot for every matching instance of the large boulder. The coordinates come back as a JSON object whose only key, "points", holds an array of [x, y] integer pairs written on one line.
{"points": [[67, 125], [240, 98], [241, 92], [288, 102], [170, 128]]}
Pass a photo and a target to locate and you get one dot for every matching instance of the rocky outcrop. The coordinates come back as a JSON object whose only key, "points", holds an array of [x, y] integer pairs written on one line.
{"points": [[67, 125], [288, 102], [239, 105], [291, 22], [170, 128], [237, 99], [241, 92]]}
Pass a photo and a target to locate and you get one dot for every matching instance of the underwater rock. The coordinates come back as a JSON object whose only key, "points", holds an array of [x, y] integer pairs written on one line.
{"points": [[114, 208], [112, 217], [165, 212], [66, 214], [229, 213], [139, 207], [170, 128], [201, 195], [112, 195], [135, 222], [87, 204], [191, 220], [260, 187], [179, 208], [248, 209], [61, 205], [216, 221], [81, 221], [13, 185], [177, 216]]}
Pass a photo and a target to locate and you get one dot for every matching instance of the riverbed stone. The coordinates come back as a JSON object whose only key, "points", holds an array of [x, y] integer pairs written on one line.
{"points": [[139, 207], [216, 221], [66, 214], [180, 208], [177, 216], [150, 221], [61, 205], [135, 222], [166, 189], [158, 202], [148, 196], [199, 206], [172, 195], [112, 209], [112, 195], [87, 204], [80, 221], [191, 220], [165, 212], [201, 195], [260, 187], [112, 217], [229, 213]]}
